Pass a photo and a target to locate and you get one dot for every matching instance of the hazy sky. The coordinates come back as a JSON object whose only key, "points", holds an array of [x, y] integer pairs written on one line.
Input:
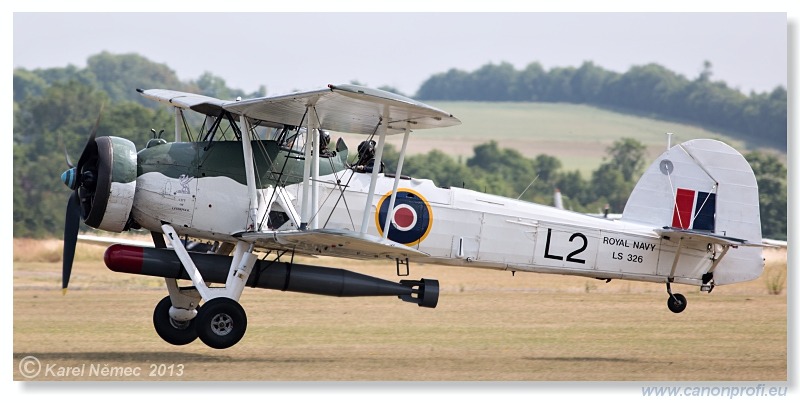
{"points": [[288, 51]]}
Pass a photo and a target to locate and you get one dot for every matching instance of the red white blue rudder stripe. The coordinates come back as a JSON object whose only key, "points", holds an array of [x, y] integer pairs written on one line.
{"points": [[694, 210]]}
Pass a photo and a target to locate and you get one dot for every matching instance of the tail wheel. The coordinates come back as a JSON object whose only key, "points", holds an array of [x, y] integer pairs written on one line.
{"points": [[174, 332], [221, 323], [676, 303]]}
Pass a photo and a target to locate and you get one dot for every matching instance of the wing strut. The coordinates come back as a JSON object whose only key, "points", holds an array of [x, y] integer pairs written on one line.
{"points": [[389, 214], [376, 168], [313, 128], [305, 206], [178, 121], [250, 174], [310, 167]]}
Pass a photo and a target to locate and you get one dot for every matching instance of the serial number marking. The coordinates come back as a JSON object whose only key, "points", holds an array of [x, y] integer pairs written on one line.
{"points": [[630, 257]]}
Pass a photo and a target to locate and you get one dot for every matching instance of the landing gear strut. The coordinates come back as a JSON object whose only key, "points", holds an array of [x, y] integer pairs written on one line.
{"points": [[676, 302], [220, 322]]}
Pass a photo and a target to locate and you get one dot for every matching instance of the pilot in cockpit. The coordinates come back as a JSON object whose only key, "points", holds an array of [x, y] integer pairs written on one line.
{"points": [[324, 141], [366, 157], [296, 142]]}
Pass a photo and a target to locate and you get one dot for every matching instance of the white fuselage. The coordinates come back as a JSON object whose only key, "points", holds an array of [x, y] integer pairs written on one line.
{"points": [[461, 227]]}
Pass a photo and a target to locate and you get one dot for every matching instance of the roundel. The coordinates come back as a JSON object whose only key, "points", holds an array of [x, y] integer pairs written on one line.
{"points": [[411, 217]]}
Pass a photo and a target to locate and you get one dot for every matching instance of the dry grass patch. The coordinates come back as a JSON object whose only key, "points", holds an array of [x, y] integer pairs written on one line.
{"points": [[51, 250], [37, 250], [489, 325], [775, 270]]}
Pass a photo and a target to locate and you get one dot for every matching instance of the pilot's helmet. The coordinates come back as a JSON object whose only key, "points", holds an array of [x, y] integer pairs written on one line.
{"points": [[324, 138], [366, 149]]}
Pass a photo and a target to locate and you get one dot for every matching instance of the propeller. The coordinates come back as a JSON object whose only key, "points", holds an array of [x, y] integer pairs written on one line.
{"points": [[71, 225], [66, 154], [82, 180]]}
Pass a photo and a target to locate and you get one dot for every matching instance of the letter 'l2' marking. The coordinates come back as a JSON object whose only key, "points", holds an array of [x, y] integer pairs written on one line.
{"points": [[547, 254]]}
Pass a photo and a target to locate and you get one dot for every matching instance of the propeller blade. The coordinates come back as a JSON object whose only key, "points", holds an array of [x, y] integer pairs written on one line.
{"points": [[85, 154], [96, 123], [74, 178], [69, 163], [66, 154], [71, 226]]}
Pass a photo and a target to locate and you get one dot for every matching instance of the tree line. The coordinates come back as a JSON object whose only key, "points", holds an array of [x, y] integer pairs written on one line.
{"points": [[55, 110], [651, 90]]}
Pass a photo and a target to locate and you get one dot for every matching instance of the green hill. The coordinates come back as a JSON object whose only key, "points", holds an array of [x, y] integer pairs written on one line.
{"points": [[578, 135]]}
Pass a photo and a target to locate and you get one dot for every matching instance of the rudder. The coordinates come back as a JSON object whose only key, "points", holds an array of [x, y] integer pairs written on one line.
{"points": [[706, 186]]}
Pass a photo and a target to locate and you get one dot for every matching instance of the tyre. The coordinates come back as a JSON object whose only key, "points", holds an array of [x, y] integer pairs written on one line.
{"points": [[676, 303], [221, 323], [174, 332]]}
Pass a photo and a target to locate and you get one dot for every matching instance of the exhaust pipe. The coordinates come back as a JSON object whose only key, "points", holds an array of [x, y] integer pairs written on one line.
{"points": [[271, 275]]}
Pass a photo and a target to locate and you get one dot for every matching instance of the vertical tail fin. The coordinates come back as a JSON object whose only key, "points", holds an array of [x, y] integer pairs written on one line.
{"points": [[707, 186]]}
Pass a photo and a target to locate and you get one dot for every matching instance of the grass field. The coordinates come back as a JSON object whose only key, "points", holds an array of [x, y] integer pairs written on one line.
{"points": [[578, 135], [489, 326]]}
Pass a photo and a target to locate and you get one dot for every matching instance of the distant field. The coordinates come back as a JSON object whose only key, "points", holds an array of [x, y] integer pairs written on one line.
{"points": [[577, 134], [489, 326]]}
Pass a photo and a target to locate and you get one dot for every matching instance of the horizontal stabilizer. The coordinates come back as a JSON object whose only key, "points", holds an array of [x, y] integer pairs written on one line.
{"points": [[704, 237], [340, 243]]}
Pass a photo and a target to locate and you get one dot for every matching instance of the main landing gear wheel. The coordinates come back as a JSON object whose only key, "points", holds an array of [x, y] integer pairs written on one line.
{"points": [[172, 331], [676, 303], [221, 323]]}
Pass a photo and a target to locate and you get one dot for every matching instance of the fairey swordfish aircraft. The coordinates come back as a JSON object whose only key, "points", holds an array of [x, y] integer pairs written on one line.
{"points": [[261, 183]]}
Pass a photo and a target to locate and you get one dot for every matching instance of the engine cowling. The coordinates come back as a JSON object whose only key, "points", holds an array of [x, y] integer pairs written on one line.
{"points": [[116, 184], [105, 181]]}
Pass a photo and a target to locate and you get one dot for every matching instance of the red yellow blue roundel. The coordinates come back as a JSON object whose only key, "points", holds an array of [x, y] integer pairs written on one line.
{"points": [[412, 217]]}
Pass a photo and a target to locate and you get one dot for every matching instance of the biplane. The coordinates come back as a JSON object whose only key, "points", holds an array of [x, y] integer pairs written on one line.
{"points": [[261, 183]]}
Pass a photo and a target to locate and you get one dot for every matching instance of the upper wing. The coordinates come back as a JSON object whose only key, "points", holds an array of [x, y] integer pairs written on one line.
{"points": [[185, 100], [331, 242], [345, 108], [341, 108]]}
